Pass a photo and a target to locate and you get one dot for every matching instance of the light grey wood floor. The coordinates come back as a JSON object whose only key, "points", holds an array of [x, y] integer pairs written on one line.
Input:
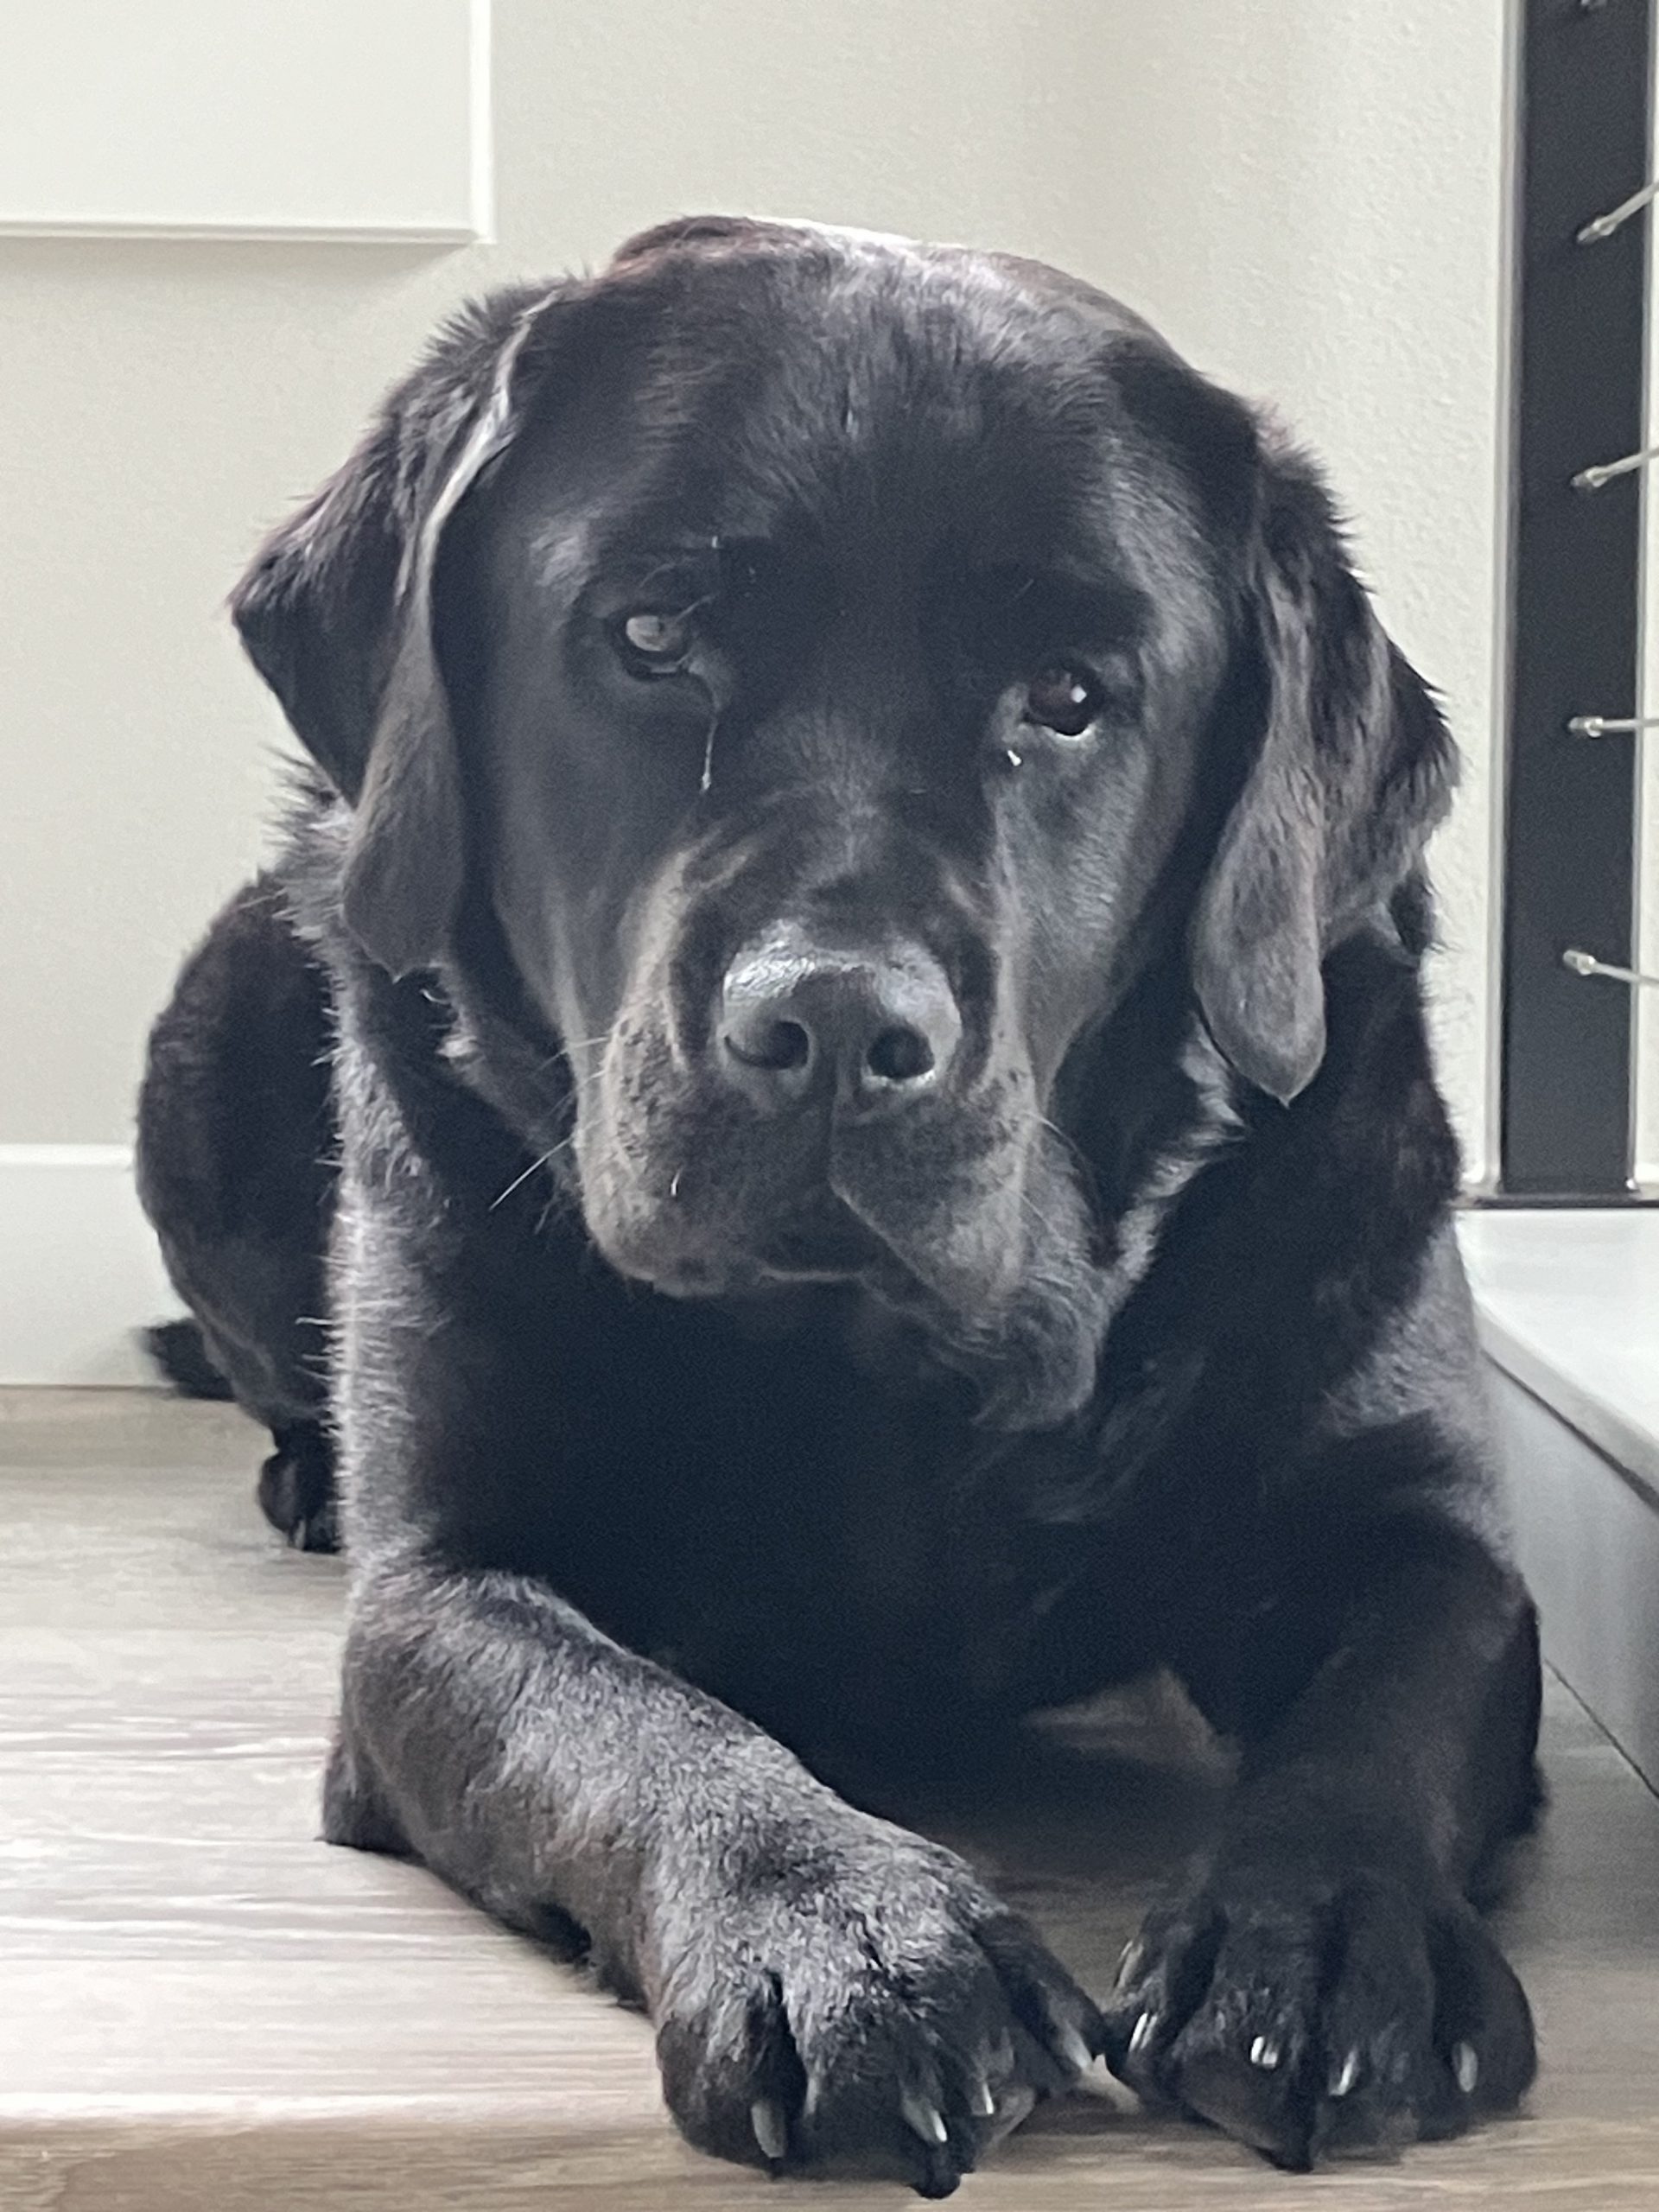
{"points": [[202, 2009]]}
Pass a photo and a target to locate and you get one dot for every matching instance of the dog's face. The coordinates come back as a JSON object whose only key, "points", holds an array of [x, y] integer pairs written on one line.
{"points": [[850, 658], [834, 660]]}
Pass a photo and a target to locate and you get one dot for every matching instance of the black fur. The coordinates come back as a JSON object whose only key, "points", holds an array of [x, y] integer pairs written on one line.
{"points": [[180, 1349], [697, 1395], [236, 1149]]}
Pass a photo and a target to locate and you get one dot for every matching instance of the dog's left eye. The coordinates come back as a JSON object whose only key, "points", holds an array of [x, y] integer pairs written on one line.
{"points": [[656, 644], [1063, 699]]}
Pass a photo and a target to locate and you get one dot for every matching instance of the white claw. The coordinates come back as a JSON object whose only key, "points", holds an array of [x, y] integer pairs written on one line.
{"points": [[1145, 2028], [1129, 1966], [771, 2130], [1344, 2084], [1072, 2048], [981, 2102], [1467, 2066], [1266, 2053], [923, 2119]]}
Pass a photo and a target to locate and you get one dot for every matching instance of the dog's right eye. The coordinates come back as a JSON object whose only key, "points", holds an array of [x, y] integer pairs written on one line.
{"points": [[656, 644], [1063, 699]]}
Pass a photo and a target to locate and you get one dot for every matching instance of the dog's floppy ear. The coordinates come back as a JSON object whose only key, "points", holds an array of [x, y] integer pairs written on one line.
{"points": [[1355, 769], [337, 611]]}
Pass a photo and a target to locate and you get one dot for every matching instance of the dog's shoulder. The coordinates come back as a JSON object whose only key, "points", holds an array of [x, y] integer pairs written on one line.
{"points": [[1307, 1280]]}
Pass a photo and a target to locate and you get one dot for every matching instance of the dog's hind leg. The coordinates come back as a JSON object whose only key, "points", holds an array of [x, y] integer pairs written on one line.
{"points": [[236, 1141], [295, 1488]]}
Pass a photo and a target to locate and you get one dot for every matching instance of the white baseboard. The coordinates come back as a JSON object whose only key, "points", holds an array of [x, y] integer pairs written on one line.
{"points": [[80, 1270], [1568, 1298], [1587, 1538]]}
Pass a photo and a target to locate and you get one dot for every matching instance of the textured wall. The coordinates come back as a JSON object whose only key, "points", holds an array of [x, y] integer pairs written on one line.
{"points": [[1306, 194]]}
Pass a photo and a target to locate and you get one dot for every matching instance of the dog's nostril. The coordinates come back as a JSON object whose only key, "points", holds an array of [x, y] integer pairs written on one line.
{"points": [[779, 1045], [900, 1056]]}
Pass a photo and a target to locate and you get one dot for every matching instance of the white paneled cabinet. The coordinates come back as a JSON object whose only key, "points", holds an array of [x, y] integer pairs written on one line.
{"points": [[247, 119]]}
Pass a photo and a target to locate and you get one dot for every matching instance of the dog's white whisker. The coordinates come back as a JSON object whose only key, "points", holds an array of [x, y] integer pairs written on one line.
{"points": [[1069, 1141], [707, 785], [502, 1195]]}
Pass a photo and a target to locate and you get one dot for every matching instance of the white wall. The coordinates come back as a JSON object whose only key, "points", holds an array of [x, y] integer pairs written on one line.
{"points": [[1311, 197], [1306, 192]]}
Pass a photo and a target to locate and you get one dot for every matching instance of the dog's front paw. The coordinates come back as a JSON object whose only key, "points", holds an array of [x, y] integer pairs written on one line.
{"points": [[863, 2004], [1313, 2015]]}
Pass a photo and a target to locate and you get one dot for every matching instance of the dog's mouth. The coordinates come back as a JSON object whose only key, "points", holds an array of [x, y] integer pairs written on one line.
{"points": [[685, 1189], [928, 1221], [820, 1240], [812, 1238]]}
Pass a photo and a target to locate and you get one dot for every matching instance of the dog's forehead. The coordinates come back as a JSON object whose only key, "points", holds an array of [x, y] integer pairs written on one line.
{"points": [[825, 308], [1012, 281], [754, 377]]}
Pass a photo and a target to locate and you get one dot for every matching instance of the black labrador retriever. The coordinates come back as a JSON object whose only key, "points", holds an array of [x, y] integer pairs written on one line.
{"points": [[868, 898]]}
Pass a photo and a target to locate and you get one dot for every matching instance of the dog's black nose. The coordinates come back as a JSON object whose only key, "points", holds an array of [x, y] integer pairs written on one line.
{"points": [[799, 1018]]}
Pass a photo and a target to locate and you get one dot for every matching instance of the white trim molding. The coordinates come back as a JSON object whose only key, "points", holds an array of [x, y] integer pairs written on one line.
{"points": [[80, 1269], [1568, 1301]]}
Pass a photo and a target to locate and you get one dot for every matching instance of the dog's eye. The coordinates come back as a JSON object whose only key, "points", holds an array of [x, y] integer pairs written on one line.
{"points": [[1063, 699], [658, 644]]}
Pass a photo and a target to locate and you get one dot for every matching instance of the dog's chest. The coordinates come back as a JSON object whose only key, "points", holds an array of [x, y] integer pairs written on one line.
{"points": [[859, 1570]]}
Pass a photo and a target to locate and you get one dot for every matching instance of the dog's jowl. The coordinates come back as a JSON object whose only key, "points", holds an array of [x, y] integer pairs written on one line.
{"points": [[882, 1172]]}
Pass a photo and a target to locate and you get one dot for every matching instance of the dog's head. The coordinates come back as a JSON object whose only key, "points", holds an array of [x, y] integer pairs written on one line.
{"points": [[838, 668]]}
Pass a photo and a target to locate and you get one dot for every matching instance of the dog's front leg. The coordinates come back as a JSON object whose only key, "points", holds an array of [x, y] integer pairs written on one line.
{"points": [[826, 1988], [1325, 1982]]}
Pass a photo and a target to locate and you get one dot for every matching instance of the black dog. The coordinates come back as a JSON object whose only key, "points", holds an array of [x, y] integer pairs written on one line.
{"points": [[870, 886]]}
